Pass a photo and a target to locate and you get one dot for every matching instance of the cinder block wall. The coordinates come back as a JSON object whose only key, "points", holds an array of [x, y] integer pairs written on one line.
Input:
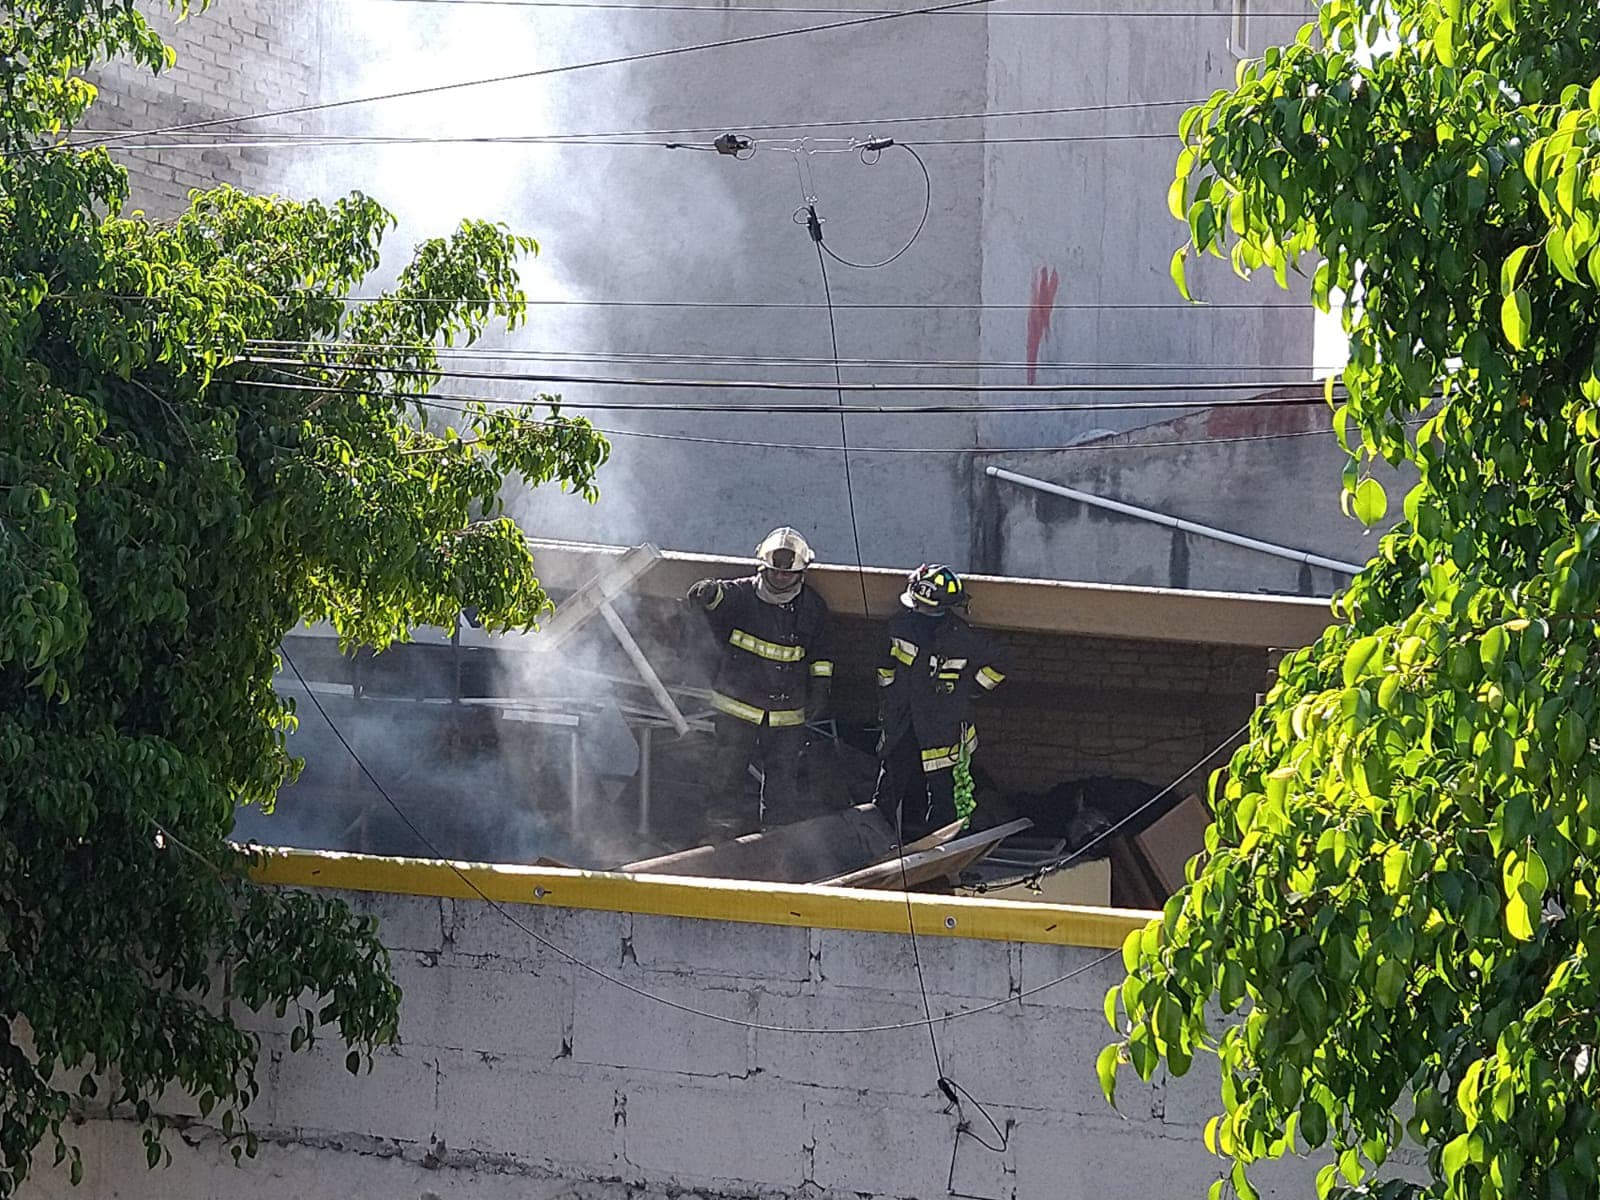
{"points": [[1081, 706], [1074, 707], [236, 58], [519, 1075]]}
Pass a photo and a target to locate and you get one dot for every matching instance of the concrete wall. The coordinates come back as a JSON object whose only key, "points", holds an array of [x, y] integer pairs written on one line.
{"points": [[1274, 477], [1079, 234], [519, 1076], [642, 223]]}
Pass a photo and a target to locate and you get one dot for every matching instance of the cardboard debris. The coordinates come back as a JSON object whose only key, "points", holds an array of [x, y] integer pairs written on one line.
{"points": [[1173, 839]]}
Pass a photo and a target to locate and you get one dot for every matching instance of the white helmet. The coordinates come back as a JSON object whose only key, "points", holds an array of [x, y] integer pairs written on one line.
{"points": [[785, 550]]}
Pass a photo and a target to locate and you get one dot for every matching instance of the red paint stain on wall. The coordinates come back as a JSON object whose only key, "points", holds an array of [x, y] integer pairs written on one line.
{"points": [[1041, 307]]}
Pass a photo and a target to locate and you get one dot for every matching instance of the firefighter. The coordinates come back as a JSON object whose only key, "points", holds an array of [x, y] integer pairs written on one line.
{"points": [[931, 667], [773, 676]]}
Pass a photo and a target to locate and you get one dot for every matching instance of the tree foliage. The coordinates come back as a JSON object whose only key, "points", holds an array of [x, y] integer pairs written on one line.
{"points": [[1397, 904], [168, 509]]}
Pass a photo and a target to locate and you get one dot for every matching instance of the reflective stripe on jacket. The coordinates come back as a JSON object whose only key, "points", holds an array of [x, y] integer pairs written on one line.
{"points": [[770, 652], [927, 678]]}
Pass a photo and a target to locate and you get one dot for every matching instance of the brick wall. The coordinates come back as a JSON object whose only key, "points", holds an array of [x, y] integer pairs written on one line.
{"points": [[237, 57], [1082, 706]]}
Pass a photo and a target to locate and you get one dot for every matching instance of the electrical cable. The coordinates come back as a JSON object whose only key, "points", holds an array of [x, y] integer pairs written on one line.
{"points": [[499, 140], [922, 221], [1066, 137], [563, 69], [736, 10], [289, 136], [966, 1128], [605, 976], [427, 403], [502, 354], [815, 230], [906, 306], [774, 385], [952, 1090], [424, 402], [1033, 878], [916, 950], [964, 450]]}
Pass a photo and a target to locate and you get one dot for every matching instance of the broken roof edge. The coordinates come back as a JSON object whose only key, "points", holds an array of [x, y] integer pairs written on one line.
{"points": [[809, 906], [1000, 602]]}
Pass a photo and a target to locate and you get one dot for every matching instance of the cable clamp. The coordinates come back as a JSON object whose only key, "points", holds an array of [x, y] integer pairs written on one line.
{"points": [[814, 228]]}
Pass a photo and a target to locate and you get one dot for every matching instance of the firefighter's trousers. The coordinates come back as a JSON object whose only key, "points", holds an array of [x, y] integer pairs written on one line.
{"points": [[926, 800], [775, 752]]}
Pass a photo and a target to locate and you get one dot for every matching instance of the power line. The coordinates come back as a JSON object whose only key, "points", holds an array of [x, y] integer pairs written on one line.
{"points": [[737, 10], [605, 976], [944, 1082], [963, 450], [313, 142], [773, 385], [736, 126], [809, 201], [815, 229], [480, 354], [1168, 136], [1084, 446], [564, 69], [787, 305]]}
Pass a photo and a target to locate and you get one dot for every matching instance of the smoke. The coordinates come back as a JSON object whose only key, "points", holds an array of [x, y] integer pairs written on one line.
{"points": [[492, 751], [485, 766], [611, 220], [499, 752]]}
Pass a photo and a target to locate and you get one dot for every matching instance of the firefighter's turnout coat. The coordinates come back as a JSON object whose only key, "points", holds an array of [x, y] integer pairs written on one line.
{"points": [[770, 652], [927, 678]]}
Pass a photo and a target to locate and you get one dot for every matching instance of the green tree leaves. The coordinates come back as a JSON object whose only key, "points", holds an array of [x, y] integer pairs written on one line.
{"points": [[1516, 318], [1371, 504], [1398, 903], [200, 444], [1525, 882]]}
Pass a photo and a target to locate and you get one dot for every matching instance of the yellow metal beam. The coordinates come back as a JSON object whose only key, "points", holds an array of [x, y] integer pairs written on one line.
{"points": [[706, 899]]}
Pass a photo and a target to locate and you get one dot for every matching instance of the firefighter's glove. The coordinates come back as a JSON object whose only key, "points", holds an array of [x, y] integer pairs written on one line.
{"points": [[817, 698], [706, 593]]}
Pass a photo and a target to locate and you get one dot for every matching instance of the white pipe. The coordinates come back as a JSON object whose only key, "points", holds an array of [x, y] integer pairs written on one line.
{"points": [[1160, 518], [644, 779]]}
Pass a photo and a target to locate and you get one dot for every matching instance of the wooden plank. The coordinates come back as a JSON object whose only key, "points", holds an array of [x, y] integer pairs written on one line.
{"points": [[795, 853], [924, 865]]}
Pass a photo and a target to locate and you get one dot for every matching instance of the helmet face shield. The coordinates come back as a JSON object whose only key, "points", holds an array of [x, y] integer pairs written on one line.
{"points": [[785, 550], [784, 556]]}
